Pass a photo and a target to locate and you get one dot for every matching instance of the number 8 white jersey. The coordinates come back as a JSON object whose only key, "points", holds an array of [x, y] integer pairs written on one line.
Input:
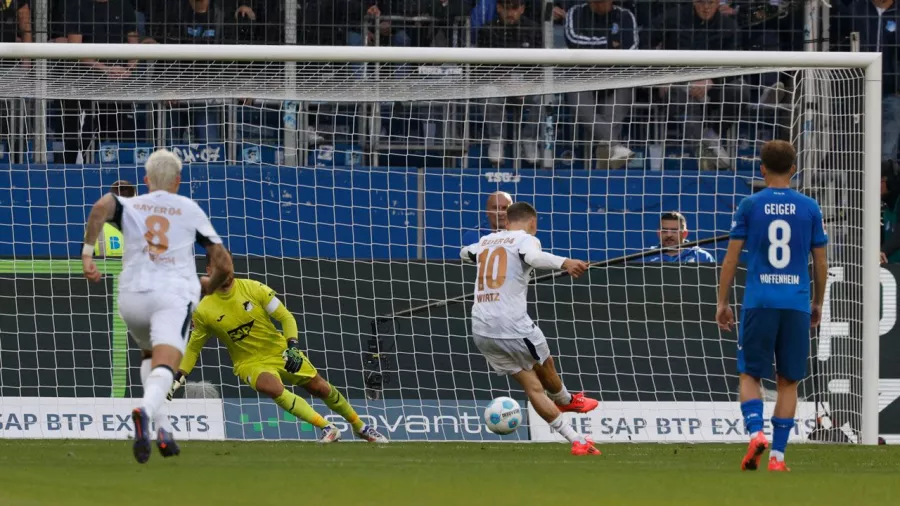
{"points": [[160, 229], [501, 289]]}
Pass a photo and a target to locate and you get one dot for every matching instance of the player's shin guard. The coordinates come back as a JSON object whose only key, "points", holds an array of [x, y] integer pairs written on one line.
{"points": [[146, 367], [565, 430], [781, 431], [337, 403], [753, 415], [161, 416], [156, 388], [300, 408], [560, 398]]}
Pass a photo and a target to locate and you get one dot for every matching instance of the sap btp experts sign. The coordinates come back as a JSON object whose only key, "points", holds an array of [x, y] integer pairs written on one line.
{"points": [[104, 418], [668, 422], [399, 420]]}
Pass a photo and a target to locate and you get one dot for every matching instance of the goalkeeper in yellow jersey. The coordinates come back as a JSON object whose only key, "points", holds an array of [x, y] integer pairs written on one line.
{"points": [[240, 314]]}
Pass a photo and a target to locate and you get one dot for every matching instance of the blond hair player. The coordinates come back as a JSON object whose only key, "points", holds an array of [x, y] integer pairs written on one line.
{"points": [[158, 285]]}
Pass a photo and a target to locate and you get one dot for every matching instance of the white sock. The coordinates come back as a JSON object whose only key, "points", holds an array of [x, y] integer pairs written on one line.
{"points": [[779, 456], [560, 398], [146, 367], [161, 417], [566, 431], [156, 388]]}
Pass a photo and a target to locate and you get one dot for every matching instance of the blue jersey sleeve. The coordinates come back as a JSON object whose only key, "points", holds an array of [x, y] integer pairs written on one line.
{"points": [[819, 236], [739, 223]]}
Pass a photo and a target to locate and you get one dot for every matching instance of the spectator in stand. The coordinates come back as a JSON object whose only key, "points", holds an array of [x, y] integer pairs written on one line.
{"points": [[511, 29], [600, 24], [699, 27], [194, 22], [261, 20], [877, 22], [485, 11], [15, 21], [673, 232], [15, 26], [362, 13], [99, 22], [191, 22], [495, 212], [448, 17]]}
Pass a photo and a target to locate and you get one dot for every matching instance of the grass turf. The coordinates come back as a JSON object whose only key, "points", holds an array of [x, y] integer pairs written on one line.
{"points": [[90, 473]]}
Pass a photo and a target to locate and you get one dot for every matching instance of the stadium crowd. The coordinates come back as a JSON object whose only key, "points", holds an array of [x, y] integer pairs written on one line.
{"points": [[696, 116]]}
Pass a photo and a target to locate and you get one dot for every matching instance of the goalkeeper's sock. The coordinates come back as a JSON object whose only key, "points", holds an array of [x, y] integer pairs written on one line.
{"points": [[566, 431], [781, 431], [753, 415], [561, 398], [298, 407], [337, 403], [157, 386]]}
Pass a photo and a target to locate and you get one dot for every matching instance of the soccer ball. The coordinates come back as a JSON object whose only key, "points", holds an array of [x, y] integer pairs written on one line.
{"points": [[503, 415]]}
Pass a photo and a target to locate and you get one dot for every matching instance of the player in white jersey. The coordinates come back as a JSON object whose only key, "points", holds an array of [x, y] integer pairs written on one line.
{"points": [[504, 333], [158, 286]]}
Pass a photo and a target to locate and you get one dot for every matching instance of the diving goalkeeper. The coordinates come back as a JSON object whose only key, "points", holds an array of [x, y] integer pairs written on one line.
{"points": [[240, 314]]}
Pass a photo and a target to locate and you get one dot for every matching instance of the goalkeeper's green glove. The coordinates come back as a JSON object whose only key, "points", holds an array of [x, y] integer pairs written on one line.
{"points": [[180, 380], [292, 356]]}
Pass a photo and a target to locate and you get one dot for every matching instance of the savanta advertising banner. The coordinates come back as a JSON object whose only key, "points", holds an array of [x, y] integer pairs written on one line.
{"points": [[668, 422], [409, 420], [102, 418]]}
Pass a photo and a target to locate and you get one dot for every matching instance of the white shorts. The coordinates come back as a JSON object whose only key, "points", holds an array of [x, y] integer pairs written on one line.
{"points": [[155, 318], [510, 356]]}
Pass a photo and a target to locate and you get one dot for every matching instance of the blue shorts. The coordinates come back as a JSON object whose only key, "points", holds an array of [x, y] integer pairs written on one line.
{"points": [[765, 332]]}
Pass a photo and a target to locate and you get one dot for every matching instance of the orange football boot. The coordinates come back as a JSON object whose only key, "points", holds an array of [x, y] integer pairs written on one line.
{"points": [[757, 446], [580, 404], [778, 466], [587, 448]]}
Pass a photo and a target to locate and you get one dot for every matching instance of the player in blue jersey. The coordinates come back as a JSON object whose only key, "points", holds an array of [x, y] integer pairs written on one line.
{"points": [[778, 227]]}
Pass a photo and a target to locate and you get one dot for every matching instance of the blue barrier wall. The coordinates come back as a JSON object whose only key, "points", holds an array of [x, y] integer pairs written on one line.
{"points": [[363, 213]]}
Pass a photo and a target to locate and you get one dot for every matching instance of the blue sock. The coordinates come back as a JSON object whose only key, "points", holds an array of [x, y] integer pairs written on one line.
{"points": [[753, 412], [781, 430]]}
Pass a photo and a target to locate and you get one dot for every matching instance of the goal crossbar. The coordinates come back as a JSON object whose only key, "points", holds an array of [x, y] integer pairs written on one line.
{"points": [[486, 56]]}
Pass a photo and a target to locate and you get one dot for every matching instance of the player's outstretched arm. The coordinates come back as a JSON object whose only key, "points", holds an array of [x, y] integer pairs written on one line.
{"points": [[221, 267], [724, 314], [820, 275], [533, 255], [104, 210], [575, 268]]}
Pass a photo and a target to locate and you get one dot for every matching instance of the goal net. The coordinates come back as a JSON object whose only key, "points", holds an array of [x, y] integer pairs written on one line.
{"points": [[347, 179]]}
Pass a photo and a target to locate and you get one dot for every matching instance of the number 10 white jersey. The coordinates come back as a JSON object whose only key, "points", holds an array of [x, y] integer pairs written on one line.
{"points": [[160, 229], [501, 290]]}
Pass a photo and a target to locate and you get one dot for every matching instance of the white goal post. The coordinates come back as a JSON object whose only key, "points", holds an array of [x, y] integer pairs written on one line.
{"points": [[384, 74]]}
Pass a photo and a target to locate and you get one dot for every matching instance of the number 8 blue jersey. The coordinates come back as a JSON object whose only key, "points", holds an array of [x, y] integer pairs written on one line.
{"points": [[780, 227]]}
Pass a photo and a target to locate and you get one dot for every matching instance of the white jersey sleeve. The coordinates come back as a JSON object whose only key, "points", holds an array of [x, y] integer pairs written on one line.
{"points": [[160, 230], [500, 310], [531, 254]]}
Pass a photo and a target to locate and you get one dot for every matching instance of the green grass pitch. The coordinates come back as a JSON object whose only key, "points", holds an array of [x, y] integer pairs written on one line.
{"points": [[91, 473]]}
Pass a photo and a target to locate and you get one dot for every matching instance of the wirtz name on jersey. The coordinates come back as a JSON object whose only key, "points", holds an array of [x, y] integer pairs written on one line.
{"points": [[487, 297]]}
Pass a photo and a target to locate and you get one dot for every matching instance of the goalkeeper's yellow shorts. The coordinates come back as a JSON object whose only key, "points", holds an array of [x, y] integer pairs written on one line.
{"points": [[249, 371]]}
